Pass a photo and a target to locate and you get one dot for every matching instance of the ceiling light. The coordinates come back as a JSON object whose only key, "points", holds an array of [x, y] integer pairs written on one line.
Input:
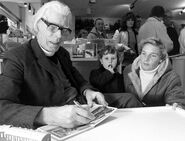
{"points": [[183, 10], [92, 1], [29, 7], [180, 13], [25, 5]]}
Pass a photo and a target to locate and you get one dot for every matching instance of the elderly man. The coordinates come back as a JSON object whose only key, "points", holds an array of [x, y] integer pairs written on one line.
{"points": [[39, 83]]}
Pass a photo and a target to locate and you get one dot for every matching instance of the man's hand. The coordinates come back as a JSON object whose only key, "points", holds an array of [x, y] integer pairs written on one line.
{"points": [[67, 116], [174, 106], [94, 95]]}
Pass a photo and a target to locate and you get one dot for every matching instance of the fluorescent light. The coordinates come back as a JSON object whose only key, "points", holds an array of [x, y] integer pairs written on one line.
{"points": [[25, 5]]}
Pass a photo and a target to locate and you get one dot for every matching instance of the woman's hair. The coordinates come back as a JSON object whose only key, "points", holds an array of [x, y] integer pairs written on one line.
{"points": [[126, 17], [155, 42], [157, 11], [46, 10]]}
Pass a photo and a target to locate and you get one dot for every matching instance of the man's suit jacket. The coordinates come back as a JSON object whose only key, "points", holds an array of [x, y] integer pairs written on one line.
{"points": [[31, 81]]}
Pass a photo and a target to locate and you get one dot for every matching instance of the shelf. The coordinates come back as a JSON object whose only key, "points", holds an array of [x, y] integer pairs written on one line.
{"points": [[84, 59]]}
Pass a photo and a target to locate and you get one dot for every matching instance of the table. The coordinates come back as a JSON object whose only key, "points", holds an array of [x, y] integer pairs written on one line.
{"points": [[139, 124]]}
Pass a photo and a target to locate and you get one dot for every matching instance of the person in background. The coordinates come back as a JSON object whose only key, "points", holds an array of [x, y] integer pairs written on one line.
{"points": [[97, 31], [172, 33], [83, 34], [126, 36], [39, 83], [109, 81], [126, 40], [154, 27], [182, 40], [3, 30], [151, 76], [138, 23], [10, 42]]}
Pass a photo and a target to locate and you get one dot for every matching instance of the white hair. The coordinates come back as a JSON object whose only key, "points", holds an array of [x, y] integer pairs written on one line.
{"points": [[60, 7]]}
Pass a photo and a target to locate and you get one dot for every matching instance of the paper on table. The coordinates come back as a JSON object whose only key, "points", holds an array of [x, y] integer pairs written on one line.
{"points": [[59, 133]]}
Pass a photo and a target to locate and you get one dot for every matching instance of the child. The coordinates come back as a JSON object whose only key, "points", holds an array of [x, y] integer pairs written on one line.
{"points": [[106, 78]]}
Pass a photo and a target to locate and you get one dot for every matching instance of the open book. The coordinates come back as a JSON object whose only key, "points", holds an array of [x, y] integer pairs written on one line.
{"points": [[59, 133]]}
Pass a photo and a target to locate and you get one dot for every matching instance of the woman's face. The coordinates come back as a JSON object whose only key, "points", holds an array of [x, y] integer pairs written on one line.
{"points": [[130, 23], [150, 57], [109, 60]]}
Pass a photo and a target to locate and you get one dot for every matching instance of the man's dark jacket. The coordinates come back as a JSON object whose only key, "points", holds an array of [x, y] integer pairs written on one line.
{"points": [[31, 81]]}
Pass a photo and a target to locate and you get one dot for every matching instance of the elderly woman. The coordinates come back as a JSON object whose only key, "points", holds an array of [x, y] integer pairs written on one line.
{"points": [[151, 76]]}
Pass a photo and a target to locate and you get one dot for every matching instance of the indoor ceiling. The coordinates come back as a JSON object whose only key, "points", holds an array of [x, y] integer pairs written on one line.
{"points": [[116, 8]]}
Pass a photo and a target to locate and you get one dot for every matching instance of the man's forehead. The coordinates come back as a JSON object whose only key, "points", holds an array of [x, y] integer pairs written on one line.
{"points": [[63, 19]]}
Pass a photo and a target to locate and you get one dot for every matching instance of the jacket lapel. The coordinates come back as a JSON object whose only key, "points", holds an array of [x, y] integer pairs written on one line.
{"points": [[43, 60]]}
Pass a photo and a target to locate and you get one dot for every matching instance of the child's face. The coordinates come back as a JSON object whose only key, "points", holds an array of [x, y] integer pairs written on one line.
{"points": [[109, 61]]}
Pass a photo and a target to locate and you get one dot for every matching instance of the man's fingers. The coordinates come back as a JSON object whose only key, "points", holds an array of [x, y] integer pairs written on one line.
{"points": [[101, 100], [83, 116]]}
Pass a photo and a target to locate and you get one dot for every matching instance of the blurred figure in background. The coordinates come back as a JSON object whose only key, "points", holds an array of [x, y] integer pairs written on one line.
{"points": [[154, 27], [97, 31], [3, 30], [12, 39], [126, 40], [83, 34], [172, 33], [138, 23]]}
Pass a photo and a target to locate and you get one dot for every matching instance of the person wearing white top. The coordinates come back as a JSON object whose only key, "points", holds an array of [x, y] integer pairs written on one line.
{"points": [[151, 76]]}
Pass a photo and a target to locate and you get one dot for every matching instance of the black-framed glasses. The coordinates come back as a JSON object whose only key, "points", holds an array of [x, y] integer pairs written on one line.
{"points": [[54, 28]]}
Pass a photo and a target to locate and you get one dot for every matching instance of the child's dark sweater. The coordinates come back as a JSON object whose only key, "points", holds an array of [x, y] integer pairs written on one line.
{"points": [[105, 81]]}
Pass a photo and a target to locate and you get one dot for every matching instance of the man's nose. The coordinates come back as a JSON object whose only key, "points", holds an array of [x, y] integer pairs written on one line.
{"points": [[59, 33]]}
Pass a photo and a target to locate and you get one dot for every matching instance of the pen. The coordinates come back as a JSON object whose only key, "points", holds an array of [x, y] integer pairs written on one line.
{"points": [[78, 104]]}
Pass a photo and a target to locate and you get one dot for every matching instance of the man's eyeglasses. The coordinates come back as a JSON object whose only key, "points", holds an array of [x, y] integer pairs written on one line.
{"points": [[54, 28]]}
